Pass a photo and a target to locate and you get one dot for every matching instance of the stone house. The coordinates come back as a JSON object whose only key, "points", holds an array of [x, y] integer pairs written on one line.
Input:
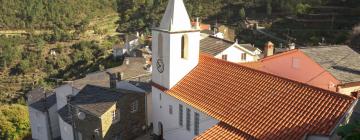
{"points": [[101, 113]]}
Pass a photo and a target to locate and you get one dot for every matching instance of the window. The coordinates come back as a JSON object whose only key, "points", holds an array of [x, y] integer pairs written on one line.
{"points": [[243, 56], [224, 57], [160, 96], [180, 115], [170, 109], [134, 106], [188, 117], [160, 46], [184, 47], [115, 115], [196, 123]]}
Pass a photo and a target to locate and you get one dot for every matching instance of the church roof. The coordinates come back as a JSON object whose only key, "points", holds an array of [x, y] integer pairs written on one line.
{"points": [[258, 104], [176, 17]]}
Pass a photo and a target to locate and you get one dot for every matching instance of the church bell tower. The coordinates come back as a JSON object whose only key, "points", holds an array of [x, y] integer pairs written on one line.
{"points": [[175, 46]]}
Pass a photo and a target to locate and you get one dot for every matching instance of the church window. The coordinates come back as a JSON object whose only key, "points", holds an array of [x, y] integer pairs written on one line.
{"points": [[170, 109], [188, 119], [196, 123], [180, 115], [184, 46], [160, 46]]}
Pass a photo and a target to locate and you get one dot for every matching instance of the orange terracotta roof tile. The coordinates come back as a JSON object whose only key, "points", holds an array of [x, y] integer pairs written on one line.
{"points": [[259, 104], [225, 132]]}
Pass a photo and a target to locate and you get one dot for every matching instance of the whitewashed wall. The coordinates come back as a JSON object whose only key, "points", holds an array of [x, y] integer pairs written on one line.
{"points": [[171, 128], [175, 67], [54, 120], [65, 130], [62, 92], [234, 55], [38, 122]]}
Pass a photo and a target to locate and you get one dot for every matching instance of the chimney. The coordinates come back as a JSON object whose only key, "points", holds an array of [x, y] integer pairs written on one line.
{"points": [[355, 94], [291, 46], [197, 23], [120, 76], [113, 80], [127, 61], [269, 49]]}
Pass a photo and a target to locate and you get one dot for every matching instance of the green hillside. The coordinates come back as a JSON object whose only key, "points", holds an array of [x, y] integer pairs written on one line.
{"points": [[43, 14]]}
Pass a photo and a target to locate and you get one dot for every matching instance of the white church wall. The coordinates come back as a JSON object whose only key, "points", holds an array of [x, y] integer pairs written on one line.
{"points": [[171, 127], [180, 67]]}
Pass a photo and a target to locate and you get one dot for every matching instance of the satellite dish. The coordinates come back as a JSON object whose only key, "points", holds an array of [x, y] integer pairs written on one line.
{"points": [[81, 115]]}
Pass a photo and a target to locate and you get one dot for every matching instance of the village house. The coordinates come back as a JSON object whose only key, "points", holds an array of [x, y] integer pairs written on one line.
{"points": [[106, 113], [84, 108], [228, 50], [43, 114], [334, 68], [197, 96]]}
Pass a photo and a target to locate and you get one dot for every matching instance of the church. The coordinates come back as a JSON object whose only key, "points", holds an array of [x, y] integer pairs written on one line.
{"points": [[196, 96]]}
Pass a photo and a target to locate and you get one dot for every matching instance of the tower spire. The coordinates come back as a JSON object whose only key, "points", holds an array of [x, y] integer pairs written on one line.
{"points": [[176, 17]]}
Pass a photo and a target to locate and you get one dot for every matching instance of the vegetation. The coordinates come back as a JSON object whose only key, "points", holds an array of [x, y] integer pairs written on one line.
{"points": [[14, 122], [46, 14], [350, 131]]}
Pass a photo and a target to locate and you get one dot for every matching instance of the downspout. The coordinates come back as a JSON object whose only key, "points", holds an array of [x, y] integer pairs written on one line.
{"points": [[48, 116]]}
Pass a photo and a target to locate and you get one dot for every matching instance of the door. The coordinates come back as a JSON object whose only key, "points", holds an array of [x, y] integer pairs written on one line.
{"points": [[161, 131]]}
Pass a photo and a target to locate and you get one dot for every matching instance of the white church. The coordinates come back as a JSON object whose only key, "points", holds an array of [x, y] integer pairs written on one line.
{"points": [[196, 96]]}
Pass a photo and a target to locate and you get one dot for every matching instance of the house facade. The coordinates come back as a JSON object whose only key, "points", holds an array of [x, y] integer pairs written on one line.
{"points": [[228, 50], [43, 114], [197, 96]]}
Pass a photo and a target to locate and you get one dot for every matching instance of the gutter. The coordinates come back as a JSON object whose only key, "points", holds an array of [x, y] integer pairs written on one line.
{"points": [[343, 117]]}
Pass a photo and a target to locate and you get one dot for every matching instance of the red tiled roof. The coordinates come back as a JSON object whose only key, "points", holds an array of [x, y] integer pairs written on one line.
{"points": [[260, 104], [225, 132]]}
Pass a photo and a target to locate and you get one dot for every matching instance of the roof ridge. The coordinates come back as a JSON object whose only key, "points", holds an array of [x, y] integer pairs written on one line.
{"points": [[280, 54], [222, 39], [332, 93]]}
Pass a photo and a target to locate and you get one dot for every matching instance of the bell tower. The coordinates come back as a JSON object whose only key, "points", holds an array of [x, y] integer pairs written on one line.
{"points": [[175, 46]]}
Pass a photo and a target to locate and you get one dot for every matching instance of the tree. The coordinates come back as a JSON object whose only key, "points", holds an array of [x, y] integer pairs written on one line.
{"points": [[14, 122], [268, 7], [242, 13], [349, 131]]}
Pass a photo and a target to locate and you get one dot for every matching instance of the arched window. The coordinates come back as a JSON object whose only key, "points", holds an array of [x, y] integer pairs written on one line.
{"points": [[160, 46], [184, 46]]}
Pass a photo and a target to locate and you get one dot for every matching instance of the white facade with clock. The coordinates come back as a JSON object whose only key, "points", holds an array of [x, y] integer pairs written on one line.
{"points": [[175, 48], [176, 44]]}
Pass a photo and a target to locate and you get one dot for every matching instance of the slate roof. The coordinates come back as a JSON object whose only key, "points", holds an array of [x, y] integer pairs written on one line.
{"points": [[213, 45], [131, 37], [64, 114], [341, 61], [259, 104], [248, 47], [134, 69], [98, 100], [40, 99]]}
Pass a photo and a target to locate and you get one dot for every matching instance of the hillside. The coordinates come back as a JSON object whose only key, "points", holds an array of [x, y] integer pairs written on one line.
{"points": [[46, 14]]}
